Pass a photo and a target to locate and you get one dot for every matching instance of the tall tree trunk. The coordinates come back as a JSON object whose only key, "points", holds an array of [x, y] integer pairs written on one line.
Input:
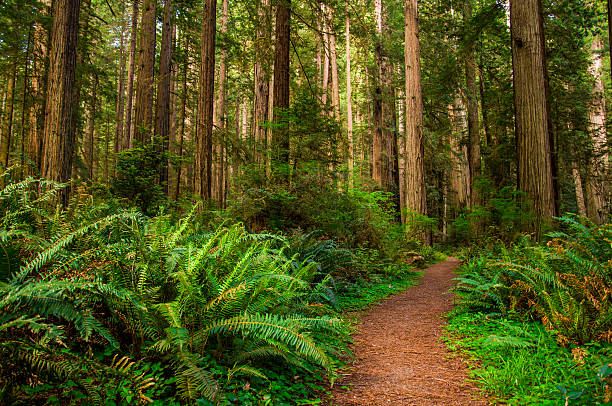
{"points": [[472, 112], [326, 54], [534, 149], [384, 149], [25, 104], [459, 179], [281, 84], [59, 132], [143, 111], [597, 182], [90, 141], [415, 198], [349, 102], [335, 81], [401, 147], [582, 211], [220, 113], [7, 125], [179, 166], [262, 80], [128, 133], [204, 127], [162, 110], [120, 107], [42, 40]]}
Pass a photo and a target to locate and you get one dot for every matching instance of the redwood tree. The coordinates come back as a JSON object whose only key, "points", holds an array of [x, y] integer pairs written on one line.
{"points": [[280, 138], [204, 123], [534, 149], [415, 197], [59, 131], [143, 110]]}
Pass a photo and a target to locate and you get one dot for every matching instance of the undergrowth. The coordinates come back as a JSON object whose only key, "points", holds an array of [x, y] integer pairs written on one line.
{"points": [[520, 363], [538, 316], [100, 304]]}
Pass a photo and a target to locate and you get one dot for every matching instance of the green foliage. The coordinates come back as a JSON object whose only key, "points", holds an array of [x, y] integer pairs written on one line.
{"points": [[520, 363], [311, 203], [138, 177], [503, 214], [565, 283], [210, 308]]}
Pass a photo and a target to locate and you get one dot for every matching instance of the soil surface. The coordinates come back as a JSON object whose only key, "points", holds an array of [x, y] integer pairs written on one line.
{"points": [[399, 359]]}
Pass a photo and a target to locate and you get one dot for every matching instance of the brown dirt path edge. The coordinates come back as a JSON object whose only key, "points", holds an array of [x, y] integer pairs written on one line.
{"points": [[399, 359]]}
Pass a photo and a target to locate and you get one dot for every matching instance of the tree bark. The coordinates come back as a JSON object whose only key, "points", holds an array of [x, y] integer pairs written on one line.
{"points": [[90, 141], [204, 126], [472, 113], [40, 69], [280, 134], [143, 111], [128, 132], [120, 106], [349, 102], [326, 55], [384, 150], [7, 127], [162, 110], [578, 189], [459, 180], [59, 131], [335, 82], [415, 198], [262, 81], [597, 182], [220, 112], [181, 148], [534, 149]]}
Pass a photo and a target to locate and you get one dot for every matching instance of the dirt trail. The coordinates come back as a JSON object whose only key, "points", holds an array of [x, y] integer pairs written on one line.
{"points": [[399, 359]]}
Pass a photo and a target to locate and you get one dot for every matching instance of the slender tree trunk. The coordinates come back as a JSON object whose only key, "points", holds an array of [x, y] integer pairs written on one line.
{"points": [[597, 182], [335, 81], [349, 102], [459, 180], [483, 107], [120, 107], [204, 127], [59, 132], [7, 127], [384, 149], [179, 166], [534, 149], [143, 111], [162, 111], [472, 113], [220, 113], [90, 141], [262, 80], [326, 54], [40, 69], [128, 132], [281, 83], [582, 211], [415, 173]]}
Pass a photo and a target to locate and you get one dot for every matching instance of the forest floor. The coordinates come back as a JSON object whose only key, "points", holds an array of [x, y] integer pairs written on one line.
{"points": [[399, 358]]}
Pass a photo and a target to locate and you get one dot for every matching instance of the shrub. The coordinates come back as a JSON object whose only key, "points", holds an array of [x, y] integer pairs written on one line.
{"points": [[565, 283]]}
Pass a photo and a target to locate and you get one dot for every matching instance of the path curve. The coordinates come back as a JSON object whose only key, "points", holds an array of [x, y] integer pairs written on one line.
{"points": [[399, 359]]}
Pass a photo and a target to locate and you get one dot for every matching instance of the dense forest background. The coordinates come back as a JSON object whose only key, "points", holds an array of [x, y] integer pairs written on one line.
{"points": [[195, 194], [250, 100]]}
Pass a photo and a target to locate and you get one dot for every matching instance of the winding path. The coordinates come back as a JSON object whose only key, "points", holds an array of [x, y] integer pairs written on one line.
{"points": [[399, 359]]}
